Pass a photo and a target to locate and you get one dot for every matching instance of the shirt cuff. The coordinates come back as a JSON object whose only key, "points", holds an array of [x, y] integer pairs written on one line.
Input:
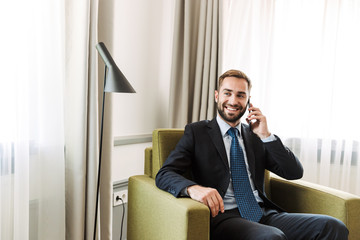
{"points": [[270, 138], [184, 192]]}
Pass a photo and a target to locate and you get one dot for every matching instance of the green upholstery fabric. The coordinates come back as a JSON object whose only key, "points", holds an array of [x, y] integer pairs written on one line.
{"points": [[164, 141], [156, 214], [148, 162], [305, 197]]}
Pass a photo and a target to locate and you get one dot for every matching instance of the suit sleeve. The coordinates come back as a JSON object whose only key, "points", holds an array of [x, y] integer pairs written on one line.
{"points": [[281, 161], [170, 177]]}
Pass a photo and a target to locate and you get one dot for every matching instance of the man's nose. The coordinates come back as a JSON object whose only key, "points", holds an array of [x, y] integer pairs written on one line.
{"points": [[232, 100]]}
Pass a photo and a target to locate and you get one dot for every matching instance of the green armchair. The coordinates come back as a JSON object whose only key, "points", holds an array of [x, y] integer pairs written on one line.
{"points": [[156, 214]]}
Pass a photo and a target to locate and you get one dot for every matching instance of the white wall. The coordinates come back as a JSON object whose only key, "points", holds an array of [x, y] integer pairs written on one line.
{"points": [[140, 39]]}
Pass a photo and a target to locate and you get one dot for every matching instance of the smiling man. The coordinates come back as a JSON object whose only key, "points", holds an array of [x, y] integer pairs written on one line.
{"points": [[227, 161]]}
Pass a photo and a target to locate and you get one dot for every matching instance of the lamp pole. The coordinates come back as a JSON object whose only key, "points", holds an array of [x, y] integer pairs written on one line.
{"points": [[114, 81], [100, 156]]}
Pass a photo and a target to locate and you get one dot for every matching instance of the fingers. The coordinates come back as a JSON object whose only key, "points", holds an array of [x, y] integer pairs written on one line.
{"points": [[255, 113], [220, 200], [208, 196], [259, 126], [215, 203], [255, 116], [222, 207]]}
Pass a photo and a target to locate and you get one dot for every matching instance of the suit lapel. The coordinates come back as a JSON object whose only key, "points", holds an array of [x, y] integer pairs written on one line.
{"points": [[217, 139], [246, 134]]}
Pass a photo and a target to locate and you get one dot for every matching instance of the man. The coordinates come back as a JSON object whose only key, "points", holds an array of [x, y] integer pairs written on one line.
{"points": [[227, 162]]}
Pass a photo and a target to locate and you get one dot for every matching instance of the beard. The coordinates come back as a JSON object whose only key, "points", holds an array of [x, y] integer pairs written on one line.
{"points": [[232, 117]]}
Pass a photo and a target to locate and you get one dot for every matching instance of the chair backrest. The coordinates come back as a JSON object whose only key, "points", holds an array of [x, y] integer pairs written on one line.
{"points": [[164, 141]]}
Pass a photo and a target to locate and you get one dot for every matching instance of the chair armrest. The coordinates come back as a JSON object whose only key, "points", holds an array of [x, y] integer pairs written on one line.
{"points": [[301, 196], [156, 214]]}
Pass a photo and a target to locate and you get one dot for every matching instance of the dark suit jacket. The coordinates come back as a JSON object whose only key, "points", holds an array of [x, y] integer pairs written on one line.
{"points": [[201, 150]]}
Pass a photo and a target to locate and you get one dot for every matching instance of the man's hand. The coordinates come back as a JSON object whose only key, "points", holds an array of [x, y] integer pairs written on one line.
{"points": [[208, 196], [259, 127]]}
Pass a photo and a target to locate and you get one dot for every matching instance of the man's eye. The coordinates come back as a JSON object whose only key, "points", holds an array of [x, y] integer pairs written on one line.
{"points": [[227, 94]]}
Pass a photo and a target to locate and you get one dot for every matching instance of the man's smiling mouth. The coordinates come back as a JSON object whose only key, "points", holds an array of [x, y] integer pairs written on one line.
{"points": [[232, 109]]}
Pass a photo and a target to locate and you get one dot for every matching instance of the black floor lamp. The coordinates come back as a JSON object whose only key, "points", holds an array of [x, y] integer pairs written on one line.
{"points": [[114, 81]]}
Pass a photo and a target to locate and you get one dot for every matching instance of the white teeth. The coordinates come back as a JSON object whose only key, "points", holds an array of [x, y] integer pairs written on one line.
{"points": [[232, 109]]}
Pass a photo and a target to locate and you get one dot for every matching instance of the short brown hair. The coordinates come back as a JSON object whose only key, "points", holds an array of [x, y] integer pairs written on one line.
{"points": [[234, 73]]}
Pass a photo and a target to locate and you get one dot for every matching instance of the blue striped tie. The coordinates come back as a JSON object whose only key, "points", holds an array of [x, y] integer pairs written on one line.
{"points": [[245, 199]]}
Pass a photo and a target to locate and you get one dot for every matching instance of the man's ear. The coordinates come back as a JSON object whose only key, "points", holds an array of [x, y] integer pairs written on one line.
{"points": [[216, 96]]}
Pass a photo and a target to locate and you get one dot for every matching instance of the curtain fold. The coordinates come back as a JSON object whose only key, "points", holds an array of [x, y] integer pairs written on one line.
{"points": [[195, 61], [32, 191], [82, 119], [49, 125]]}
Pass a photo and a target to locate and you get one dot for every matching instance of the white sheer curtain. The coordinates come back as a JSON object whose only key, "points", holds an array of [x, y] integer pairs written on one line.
{"points": [[303, 58], [32, 194]]}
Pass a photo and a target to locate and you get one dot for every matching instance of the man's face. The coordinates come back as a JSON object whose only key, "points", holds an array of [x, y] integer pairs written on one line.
{"points": [[231, 99]]}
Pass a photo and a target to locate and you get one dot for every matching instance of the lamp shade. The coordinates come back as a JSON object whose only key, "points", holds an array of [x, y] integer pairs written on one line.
{"points": [[115, 80]]}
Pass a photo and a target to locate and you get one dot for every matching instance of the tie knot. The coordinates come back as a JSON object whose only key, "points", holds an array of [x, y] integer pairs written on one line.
{"points": [[232, 132]]}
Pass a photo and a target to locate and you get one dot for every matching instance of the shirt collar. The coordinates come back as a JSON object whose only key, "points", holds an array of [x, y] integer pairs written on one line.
{"points": [[224, 126]]}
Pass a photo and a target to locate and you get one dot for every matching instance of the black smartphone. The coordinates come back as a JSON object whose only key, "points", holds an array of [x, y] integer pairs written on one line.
{"points": [[248, 105]]}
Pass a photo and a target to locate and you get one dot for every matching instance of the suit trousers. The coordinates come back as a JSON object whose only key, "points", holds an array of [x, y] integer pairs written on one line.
{"points": [[277, 225]]}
